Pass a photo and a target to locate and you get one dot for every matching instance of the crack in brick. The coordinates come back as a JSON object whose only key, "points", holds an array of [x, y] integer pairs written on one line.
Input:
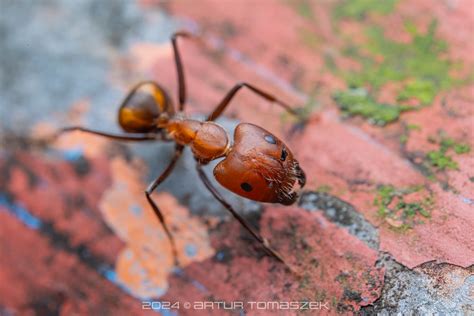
{"points": [[343, 214]]}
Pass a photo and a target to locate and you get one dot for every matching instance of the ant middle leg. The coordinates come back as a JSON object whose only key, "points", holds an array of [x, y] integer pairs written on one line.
{"points": [[232, 92], [163, 176]]}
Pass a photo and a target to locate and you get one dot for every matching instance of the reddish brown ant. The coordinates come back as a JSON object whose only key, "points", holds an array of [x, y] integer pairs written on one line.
{"points": [[257, 166]]}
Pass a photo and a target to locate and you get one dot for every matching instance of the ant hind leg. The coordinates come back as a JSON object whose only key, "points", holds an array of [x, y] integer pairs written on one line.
{"points": [[122, 137]]}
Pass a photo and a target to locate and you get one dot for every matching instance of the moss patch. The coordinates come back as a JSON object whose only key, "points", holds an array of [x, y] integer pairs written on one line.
{"points": [[359, 9], [397, 211], [358, 101], [420, 61], [422, 90], [441, 159], [418, 70], [303, 8]]}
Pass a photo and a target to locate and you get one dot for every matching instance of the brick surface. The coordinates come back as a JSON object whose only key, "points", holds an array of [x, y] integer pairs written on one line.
{"points": [[98, 249], [56, 267]]}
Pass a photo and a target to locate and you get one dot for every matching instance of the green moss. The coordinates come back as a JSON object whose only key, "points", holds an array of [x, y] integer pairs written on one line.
{"points": [[391, 203], [385, 195], [358, 102], [462, 148], [303, 8], [418, 62], [359, 9], [383, 198], [446, 143], [441, 159], [411, 209], [413, 127], [417, 68], [422, 90]]}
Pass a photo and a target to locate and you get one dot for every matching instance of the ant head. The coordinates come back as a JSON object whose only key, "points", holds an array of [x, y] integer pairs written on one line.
{"points": [[260, 167], [144, 107]]}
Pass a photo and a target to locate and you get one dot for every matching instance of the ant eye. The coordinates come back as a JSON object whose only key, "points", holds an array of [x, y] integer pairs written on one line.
{"points": [[284, 154], [246, 187], [270, 139]]}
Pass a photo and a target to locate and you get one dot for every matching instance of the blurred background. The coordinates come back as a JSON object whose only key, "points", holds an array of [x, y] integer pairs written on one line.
{"points": [[384, 223]]}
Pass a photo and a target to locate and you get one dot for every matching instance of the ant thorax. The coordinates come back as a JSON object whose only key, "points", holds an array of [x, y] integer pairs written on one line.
{"points": [[207, 140]]}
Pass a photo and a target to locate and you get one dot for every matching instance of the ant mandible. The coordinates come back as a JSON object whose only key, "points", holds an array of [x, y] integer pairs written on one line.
{"points": [[257, 166]]}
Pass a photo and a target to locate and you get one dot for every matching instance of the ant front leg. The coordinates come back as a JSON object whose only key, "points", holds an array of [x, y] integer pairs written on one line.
{"points": [[153, 186], [230, 95], [264, 242]]}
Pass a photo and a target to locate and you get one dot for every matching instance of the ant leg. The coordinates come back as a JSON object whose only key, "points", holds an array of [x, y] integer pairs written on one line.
{"points": [[242, 221], [179, 67], [267, 96], [153, 186], [125, 136]]}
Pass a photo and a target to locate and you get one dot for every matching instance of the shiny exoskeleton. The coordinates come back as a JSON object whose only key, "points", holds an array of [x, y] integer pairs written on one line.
{"points": [[255, 163]]}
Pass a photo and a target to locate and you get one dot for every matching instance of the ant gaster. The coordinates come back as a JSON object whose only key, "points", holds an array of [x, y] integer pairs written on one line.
{"points": [[256, 165]]}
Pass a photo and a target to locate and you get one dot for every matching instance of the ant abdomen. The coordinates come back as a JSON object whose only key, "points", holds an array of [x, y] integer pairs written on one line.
{"points": [[141, 109]]}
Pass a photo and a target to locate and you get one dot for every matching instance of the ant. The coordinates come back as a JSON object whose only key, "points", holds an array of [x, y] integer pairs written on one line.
{"points": [[256, 165]]}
